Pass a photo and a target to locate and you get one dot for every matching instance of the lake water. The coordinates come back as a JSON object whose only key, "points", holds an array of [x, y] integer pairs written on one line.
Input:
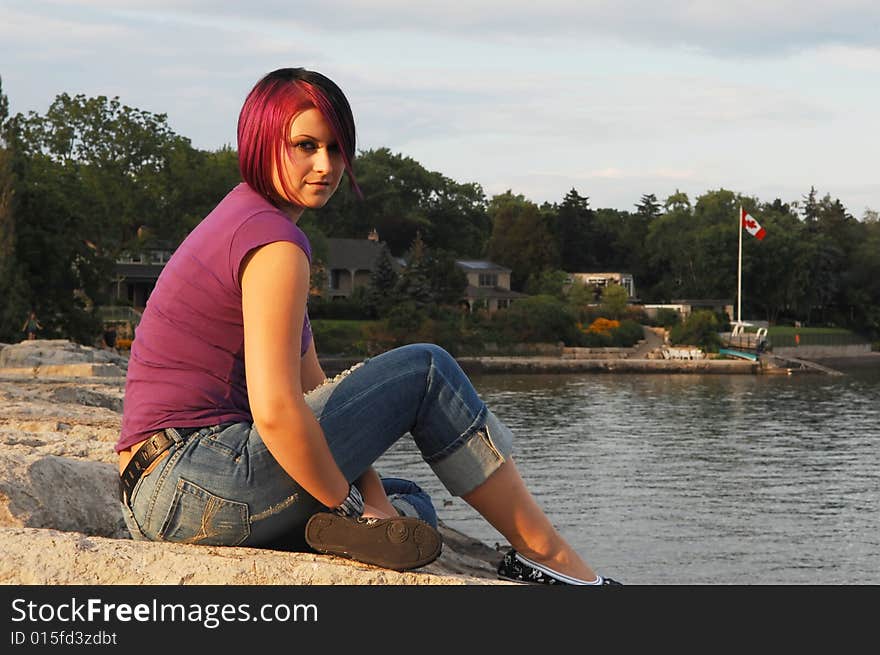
{"points": [[693, 479]]}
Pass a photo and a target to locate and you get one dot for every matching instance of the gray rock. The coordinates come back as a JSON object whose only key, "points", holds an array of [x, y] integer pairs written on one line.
{"points": [[60, 493], [56, 352]]}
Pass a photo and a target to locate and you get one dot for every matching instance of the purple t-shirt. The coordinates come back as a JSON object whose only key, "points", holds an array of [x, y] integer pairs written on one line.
{"points": [[187, 359]]}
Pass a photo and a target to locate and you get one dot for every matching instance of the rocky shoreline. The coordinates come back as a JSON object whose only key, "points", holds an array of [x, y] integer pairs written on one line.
{"points": [[59, 518]]}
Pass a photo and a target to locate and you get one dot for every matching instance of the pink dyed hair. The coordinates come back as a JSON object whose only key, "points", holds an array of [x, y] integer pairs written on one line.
{"points": [[265, 119]]}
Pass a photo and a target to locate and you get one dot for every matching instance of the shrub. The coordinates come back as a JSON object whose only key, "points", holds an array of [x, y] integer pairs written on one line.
{"points": [[336, 337], [603, 326], [595, 340], [627, 334], [537, 319], [341, 308], [604, 332], [667, 317], [699, 329], [406, 323]]}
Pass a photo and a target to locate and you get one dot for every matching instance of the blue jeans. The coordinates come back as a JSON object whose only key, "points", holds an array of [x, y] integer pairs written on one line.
{"points": [[221, 485], [409, 499]]}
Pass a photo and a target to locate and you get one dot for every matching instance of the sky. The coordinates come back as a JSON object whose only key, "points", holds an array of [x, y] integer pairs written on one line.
{"points": [[615, 99]]}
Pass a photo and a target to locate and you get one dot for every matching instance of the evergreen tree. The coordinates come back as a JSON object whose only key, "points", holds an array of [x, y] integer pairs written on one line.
{"points": [[649, 207], [415, 282], [448, 280], [382, 292], [576, 233], [633, 235], [811, 207]]}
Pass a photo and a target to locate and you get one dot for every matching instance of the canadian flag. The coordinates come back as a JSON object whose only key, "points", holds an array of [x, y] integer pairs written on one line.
{"points": [[752, 226]]}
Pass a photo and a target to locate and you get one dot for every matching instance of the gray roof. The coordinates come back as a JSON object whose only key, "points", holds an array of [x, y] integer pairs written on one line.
{"points": [[139, 272], [491, 292], [480, 265], [353, 254]]}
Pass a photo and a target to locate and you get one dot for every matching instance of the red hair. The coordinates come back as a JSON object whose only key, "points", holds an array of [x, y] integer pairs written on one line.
{"points": [[264, 124]]}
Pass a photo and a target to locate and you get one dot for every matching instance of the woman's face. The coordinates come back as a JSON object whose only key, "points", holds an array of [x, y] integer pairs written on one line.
{"points": [[312, 163]]}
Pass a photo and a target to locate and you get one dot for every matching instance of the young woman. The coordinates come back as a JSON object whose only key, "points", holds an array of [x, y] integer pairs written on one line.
{"points": [[232, 435]]}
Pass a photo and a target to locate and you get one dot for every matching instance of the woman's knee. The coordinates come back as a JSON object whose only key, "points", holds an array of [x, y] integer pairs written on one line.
{"points": [[430, 354], [429, 349]]}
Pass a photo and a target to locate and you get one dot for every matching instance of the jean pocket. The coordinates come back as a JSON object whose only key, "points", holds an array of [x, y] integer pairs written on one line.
{"points": [[197, 516]]}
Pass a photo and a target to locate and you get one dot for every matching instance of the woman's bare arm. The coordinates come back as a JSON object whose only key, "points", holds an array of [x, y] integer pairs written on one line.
{"points": [[369, 483], [274, 284], [312, 375]]}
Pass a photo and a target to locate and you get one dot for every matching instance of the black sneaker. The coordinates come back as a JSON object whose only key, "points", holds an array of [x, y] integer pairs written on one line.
{"points": [[517, 568], [400, 543]]}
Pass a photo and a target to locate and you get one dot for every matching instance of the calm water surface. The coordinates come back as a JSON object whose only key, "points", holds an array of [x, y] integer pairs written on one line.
{"points": [[693, 479]]}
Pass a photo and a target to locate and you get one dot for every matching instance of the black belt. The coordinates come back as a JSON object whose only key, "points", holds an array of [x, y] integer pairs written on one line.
{"points": [[146, 455]]}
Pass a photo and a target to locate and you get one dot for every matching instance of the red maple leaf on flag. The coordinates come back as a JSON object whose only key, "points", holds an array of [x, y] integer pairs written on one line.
{"points": [[752, 226]]}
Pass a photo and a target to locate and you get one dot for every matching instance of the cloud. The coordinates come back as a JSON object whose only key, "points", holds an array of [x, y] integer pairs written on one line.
{"points": [[743, 28], [197, 76], [49, 37], [613, 98]]}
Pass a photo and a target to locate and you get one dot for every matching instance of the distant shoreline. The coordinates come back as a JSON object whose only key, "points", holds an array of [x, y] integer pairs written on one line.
{"points": [[556, 365], [548, 365]]}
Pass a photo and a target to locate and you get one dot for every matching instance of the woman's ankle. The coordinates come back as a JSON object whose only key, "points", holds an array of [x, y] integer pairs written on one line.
{"points": [[564, 561]]}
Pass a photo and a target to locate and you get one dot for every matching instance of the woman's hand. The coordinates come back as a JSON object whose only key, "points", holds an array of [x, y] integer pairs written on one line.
{"points": [[371, 487], [371, 511]]}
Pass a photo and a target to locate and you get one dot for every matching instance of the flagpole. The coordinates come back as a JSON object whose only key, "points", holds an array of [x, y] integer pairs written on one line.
{"points": [[739, 268]]}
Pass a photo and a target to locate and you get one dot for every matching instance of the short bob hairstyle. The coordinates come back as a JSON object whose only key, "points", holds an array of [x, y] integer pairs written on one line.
{"points": [[265, 118]]}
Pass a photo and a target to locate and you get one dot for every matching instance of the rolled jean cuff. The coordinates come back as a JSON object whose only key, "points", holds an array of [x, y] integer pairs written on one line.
{"points": [[479, 456]]}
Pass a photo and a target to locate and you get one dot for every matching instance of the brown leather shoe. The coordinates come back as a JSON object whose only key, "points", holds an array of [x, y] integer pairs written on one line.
{"points": [[399, 543]]}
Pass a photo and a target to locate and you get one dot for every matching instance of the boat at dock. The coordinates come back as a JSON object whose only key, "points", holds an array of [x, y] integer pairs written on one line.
{"points": [[739, 354]]}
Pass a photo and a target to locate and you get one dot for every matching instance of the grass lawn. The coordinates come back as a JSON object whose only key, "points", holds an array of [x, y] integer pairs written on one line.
{"points": [[787, 330], [784, 335]]}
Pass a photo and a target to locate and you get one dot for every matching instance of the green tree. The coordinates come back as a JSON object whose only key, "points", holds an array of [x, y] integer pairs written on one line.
{"points": [[712, 269], [521, 238], [677, 201], [382, 290], [415, 284], [839, 234], [630, 244], [192, 182], [648, 207], [579, 298], [811, 207], [863, 288], [617, 242], [448, 280], [614, 301], [693, 251], [458, 221], [401, 197], [14, 292], [777, 270], [577, 243], [94, 176], [548, 283], [669, 244]]}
